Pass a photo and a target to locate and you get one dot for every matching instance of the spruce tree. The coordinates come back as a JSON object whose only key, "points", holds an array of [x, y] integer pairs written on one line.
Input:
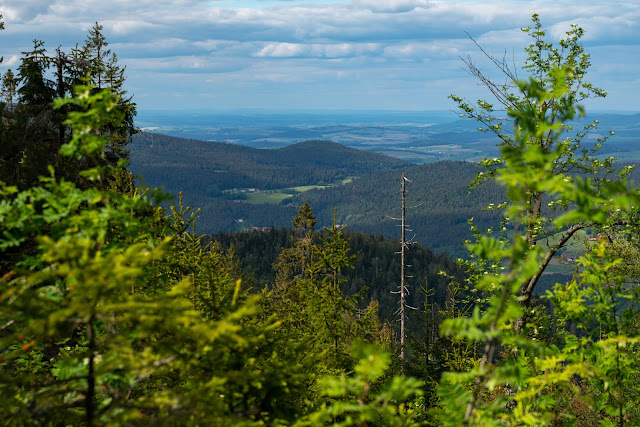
{"points": [[104, 72], [9, 87]]}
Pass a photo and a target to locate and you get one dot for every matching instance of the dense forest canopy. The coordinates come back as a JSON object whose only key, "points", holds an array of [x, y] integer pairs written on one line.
{"points": [[114, 310]]}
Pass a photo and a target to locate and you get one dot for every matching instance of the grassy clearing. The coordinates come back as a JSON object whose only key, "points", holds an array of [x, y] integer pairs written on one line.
{"points": [[556, 267], [303, 188], [275, 197]]}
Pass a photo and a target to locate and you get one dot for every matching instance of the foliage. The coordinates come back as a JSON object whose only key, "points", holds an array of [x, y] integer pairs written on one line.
{"points": [[534, 381], [108, 319], [376, 266], [112, 312], [541, 115], [360, 399]]}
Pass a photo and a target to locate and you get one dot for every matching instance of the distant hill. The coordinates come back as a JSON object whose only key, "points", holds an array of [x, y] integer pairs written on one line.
{"points": [[331, 155], [208, 168], [418, 137]]}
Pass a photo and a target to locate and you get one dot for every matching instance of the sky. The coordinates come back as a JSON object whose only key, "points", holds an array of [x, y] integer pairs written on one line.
{"points": [[295, 55]]}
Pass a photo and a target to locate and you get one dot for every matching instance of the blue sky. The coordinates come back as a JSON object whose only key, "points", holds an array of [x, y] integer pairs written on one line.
{"points": [[323, 54]]}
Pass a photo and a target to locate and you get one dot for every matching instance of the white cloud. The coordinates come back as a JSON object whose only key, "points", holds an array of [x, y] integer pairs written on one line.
{"points": [[23, 10], [330, 50], [12, 60], [418, 50], [393, 6], [281, 50], [621, 27], [123, 27]]}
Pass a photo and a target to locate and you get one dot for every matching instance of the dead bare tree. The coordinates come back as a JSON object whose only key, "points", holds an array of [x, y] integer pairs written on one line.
{"points": [[403, 291]]}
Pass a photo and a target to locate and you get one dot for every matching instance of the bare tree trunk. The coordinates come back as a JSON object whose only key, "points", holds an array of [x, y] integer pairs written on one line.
{"points": [[403, 297], [403, 291]]}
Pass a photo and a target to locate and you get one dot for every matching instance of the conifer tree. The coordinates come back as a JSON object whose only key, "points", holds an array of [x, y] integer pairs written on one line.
{"points": [[309, 296], [9, 87], [1, 28], [96, 48], [31, 138], [34, 131], [36, 91], [104, 72]]}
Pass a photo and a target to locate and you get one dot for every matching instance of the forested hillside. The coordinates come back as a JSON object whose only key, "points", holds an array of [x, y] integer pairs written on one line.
{"points": [[205, 172], [438, 196], [208, 168]]}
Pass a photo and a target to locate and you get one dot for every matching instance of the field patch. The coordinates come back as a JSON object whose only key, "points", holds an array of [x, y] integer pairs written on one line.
{"points": [[276, 197]]}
